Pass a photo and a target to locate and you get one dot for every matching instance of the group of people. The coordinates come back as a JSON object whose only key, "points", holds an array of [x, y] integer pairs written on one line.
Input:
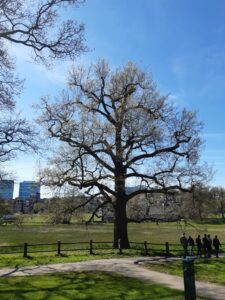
{"points": [[204, 246]]}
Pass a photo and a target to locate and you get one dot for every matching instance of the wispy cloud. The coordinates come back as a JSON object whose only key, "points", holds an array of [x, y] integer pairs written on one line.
{"points": [[179, 98], [23, 57], [179, 67]]}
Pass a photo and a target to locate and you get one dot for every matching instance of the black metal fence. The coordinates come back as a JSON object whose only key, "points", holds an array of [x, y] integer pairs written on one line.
{"points": [[93, 247]]}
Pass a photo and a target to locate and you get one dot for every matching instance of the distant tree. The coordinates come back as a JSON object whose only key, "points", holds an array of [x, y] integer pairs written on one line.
{"points": [[4, 208], [218, 199], [62, 209], [38, 208], [154, 207], [138, 208], [196, 205], [34, 25], [115, 128]]}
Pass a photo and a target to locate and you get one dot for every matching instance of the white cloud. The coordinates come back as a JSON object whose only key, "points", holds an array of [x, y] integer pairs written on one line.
{"points": [[179, 67]]}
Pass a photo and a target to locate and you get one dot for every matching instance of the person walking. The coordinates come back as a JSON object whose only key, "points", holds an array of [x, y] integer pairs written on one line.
{"points": [[184, 243], [205, 245], [191, 243], [199, 246], [216, 245], [209, 250]]}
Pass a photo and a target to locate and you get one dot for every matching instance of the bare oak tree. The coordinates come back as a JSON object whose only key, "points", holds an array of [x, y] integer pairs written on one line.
{"points": [[116, 131], [36, 25]]}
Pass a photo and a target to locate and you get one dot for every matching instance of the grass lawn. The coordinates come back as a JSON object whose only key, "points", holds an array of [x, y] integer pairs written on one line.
{"points": [[83, 285], [212, 270], [17, 260], [35, 230]]}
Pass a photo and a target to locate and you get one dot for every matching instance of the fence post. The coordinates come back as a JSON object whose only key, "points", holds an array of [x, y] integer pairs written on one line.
{"points": [[120, 246], [189, 279], [25, 250], [91, 247], [167, 249], [58, 248], [146, 248]]}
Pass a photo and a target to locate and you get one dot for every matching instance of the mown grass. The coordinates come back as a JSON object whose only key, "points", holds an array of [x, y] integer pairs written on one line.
{"points": [[83, 285], [17, 260], [36, 230], [212, 270]]}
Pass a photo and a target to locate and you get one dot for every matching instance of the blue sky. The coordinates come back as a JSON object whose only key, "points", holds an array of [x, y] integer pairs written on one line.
{"points": [[182, 43]]}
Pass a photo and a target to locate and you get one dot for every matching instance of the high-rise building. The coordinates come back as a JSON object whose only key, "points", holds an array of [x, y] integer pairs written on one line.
{"points": [[29, 190], [6, 189]]}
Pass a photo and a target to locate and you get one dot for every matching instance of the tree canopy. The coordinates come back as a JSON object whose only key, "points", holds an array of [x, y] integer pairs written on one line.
{"points": [[116, 131]]}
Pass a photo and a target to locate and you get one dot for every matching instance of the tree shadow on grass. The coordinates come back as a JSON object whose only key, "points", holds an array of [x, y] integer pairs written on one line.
{"points": [[83, 285]]}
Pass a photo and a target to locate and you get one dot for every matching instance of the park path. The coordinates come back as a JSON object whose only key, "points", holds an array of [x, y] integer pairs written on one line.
{"points": [[130, 267]]}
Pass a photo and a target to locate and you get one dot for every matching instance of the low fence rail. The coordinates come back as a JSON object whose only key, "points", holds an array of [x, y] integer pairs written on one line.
{"points": [[94, 247]]}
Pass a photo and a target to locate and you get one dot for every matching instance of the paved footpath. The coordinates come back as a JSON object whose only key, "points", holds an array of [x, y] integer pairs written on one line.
{"points": [[130, 267]]}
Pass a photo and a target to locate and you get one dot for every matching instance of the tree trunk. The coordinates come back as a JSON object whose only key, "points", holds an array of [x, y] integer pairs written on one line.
{"points": [[200, 214], [222, 210], [120, 225]]}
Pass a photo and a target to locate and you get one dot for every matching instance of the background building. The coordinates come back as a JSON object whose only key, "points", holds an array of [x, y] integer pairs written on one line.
{"points": [[29, 190], [6, 189]]}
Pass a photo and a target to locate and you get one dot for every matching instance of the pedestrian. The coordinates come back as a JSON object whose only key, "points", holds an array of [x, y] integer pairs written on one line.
{"points": [[184, 243], [216, 245], [205, 245], [199, 246], [191, 243], [209, 246]]}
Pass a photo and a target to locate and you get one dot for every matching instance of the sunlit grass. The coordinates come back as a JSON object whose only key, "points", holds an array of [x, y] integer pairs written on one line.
{"points": [[83, 285], [212, 270]]}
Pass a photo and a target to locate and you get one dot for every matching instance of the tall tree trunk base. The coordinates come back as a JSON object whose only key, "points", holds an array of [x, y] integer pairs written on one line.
{"points": [[120, 226], [124, 244]]}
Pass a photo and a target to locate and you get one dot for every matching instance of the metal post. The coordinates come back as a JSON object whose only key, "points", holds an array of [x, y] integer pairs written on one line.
{"points": [[25, 250], [58, 248], [167, 249], [90, 247], [146, 248], [189, 279]]}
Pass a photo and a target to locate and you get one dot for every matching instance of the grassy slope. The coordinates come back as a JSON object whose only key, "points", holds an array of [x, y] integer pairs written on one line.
{"points": [[83, 285]]}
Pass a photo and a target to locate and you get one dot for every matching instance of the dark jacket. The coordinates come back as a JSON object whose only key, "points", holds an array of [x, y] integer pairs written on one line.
{"points": [[209, 243], [191, 241], [216, 243], [184, 241], [205, 242], [198, 242]]}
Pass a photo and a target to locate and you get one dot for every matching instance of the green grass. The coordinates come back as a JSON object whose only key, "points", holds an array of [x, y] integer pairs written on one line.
{"points": [[212, 270], [17, 260], [34, 230], [82, 285]]}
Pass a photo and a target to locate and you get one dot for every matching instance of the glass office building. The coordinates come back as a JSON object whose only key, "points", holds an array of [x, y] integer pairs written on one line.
{"points": [[29, 190], [6, 189]]}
